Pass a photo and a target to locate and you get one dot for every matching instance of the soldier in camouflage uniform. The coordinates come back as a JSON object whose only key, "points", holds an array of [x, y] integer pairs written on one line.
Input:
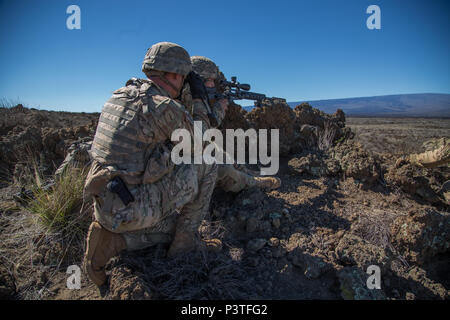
{"points": [[231, 178], [437, 154], [140, 197]]}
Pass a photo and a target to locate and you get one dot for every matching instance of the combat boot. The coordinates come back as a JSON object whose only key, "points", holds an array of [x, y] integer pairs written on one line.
{"points": [[101, 246], [267, 183]]}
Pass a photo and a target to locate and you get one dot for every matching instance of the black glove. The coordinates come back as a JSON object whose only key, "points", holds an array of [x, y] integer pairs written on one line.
{"points": [[198, 89]]}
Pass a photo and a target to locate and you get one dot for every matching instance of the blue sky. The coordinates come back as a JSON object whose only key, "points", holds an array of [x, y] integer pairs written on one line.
{"points": [[299, 50]]}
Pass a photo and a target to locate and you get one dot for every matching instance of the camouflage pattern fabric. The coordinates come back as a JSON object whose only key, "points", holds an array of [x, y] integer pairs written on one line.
{"points": [[186, 97], [218, 111], [445, 191], [167, 57], [134, 122], [162, 233], [184, 221], [153, 203], [205, 67], [186, 236], [146, 110], [230, 177], [78, 156]]}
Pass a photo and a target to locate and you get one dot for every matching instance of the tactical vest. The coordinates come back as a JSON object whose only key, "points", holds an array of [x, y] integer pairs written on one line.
{"points": [[123, 138]]}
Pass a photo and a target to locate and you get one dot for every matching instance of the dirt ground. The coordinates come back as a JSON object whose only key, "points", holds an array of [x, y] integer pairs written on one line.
{"points": [[397, 135], [337, 212]]}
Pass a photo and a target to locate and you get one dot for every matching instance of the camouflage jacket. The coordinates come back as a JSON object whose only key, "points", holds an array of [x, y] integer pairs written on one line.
{"points": [[133, 135]]}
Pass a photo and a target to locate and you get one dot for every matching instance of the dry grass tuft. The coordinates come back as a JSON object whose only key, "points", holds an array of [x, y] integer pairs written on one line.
{"points": [[48, 234], [375, 227], [197, 275]]}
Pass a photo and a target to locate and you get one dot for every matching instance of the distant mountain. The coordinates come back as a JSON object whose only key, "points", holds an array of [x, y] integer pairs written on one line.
{"points": [[413, 105]]}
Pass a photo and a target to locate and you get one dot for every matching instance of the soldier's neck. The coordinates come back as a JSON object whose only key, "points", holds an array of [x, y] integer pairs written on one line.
{"points": [[167, 90]]}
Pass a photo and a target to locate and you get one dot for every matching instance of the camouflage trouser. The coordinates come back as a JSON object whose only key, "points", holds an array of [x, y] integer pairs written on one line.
{"points": [[194, 212], [231, 179], [151, 218], [154, 205]]}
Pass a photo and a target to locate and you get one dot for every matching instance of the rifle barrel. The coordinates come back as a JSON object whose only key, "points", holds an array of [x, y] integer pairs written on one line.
{"points": [[252, 95]]}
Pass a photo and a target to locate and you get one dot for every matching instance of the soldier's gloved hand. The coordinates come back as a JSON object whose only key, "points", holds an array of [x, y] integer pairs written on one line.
{"points": [[198, 89]]}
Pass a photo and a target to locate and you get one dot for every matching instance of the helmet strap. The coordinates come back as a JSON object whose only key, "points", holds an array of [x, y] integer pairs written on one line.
{"points": [[161, 76]]}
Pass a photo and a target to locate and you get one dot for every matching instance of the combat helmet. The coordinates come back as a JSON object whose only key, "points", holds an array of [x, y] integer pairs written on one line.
{"points": [[167, 57], [205, 67]]}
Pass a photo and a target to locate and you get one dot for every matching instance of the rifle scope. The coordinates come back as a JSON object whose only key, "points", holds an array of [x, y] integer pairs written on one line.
{"points": [[235, 84]]}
